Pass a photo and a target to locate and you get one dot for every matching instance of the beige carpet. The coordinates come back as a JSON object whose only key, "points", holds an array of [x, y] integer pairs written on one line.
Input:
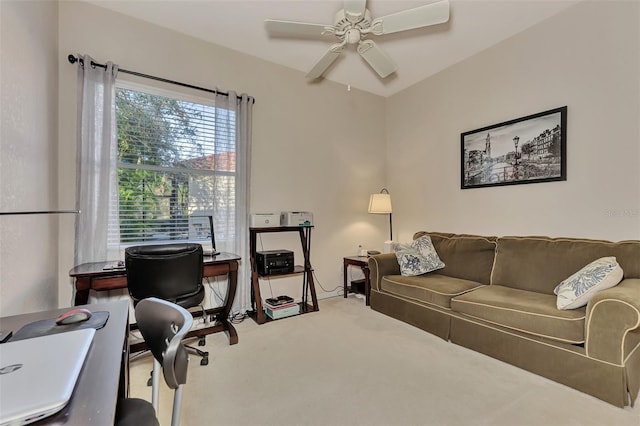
{"points": [[349, 365]]}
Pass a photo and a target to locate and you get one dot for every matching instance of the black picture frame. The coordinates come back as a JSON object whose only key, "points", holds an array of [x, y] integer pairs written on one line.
{"points": [[529, 149]]}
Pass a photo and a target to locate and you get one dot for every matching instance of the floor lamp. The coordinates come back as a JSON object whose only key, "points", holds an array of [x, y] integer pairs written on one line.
{"points": [[381, 204]]}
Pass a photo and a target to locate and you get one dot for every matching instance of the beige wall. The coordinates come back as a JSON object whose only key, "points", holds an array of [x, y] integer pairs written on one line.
{"points": [[586, 58], [28, 151], [315, 147]]}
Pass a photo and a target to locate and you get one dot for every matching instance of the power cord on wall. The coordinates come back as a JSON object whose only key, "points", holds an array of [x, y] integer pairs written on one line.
{"points": [[317, 281]]}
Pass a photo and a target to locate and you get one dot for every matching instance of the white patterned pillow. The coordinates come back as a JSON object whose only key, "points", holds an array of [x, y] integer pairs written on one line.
{"points": [[576, 290], [418, 258]]}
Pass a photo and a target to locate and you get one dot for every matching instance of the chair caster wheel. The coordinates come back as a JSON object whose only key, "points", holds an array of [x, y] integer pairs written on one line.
{"points": [[204, 361], [202, 342]]}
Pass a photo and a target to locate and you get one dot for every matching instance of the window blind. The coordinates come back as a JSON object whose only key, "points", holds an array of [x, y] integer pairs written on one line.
{"points": [[176, 166]]}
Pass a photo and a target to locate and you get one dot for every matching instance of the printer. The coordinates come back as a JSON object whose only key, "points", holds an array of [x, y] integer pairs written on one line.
{"points": [[296, 219], [273, 262]]}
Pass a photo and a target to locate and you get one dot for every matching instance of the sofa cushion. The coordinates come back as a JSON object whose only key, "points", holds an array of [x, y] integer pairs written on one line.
{"points": [[522, 310], [418, 258], [540, 263], [434, 288], [468, 257], [598, 275]]}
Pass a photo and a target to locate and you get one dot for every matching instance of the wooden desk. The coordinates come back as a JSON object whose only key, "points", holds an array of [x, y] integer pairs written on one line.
{"points": [[92, 276], [363, 263], [105, 375]]}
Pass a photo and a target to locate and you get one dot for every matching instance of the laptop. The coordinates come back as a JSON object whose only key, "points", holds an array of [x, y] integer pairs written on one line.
{"points": [[38, 375]]}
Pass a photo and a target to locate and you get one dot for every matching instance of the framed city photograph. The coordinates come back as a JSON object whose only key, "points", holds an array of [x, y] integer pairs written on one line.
{"points": [[529, 149]]}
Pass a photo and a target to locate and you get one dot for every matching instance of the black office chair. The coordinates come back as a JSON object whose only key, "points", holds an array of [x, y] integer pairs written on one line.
{"points": [[163, 325], [170, 272]]}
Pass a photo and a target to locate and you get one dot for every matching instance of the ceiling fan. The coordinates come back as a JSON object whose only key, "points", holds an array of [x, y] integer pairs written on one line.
{"points": [[354, 24]]}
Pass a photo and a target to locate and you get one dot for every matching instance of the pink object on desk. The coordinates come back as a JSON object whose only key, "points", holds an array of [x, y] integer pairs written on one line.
{"points": [[74, 316]]}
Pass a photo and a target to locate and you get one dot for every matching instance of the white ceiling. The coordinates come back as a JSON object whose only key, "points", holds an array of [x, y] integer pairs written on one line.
{"points": [[474, 25]]}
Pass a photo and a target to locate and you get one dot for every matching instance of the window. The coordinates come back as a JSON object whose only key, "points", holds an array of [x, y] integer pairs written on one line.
{"points": [[176, 166]]}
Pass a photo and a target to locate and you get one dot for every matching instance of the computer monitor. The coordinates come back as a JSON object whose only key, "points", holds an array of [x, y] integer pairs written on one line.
{"points": [[201, 229]]}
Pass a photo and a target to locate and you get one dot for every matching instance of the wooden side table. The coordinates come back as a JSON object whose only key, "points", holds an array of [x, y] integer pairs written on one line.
{"points": [[363, 263]]}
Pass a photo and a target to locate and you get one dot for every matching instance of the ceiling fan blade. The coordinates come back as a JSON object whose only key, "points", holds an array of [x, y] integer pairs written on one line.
{"points": [[354, 9], [296, 29], [423, 16], [379, 61], [325, 62]]}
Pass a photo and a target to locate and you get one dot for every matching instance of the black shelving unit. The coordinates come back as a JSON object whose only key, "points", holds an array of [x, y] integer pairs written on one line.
{"points": [[308, 286]]}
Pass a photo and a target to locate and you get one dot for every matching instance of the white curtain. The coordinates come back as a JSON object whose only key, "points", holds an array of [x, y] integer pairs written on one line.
{"points": [[242, 106], [96, 173]]}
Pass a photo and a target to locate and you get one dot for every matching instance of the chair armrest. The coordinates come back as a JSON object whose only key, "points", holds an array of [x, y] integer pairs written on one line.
{"points": [[611, 314], [381, 265]]}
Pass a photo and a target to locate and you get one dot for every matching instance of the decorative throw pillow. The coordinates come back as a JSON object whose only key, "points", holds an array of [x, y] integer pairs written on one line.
{"points": [[576, 290], [418, 258]]}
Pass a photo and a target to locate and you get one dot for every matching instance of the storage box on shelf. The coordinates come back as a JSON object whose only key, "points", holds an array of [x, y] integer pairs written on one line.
{"points": [[282, 310]]}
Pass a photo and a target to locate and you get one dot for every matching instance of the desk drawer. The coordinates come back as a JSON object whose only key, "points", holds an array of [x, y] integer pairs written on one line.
{"points": [[216, 269], [109, 283]]}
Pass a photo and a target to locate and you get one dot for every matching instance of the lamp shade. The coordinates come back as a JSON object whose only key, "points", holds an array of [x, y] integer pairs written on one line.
{"points": [[380, 203]]}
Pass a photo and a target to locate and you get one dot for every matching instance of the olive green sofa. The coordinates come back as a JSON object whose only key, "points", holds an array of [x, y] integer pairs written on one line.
{"points": [[495, 296]]}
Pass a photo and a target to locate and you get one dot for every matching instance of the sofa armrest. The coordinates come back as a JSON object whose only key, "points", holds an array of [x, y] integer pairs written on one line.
{"points": [[381, 265], [611, 314]]}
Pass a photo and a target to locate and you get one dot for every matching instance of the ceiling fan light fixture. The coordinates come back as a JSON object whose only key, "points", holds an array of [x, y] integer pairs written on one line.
{"points": [[353, 36]]}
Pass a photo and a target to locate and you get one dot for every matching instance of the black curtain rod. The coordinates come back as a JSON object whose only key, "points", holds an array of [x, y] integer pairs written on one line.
{"points": [[40, 212], [73, 60]]}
